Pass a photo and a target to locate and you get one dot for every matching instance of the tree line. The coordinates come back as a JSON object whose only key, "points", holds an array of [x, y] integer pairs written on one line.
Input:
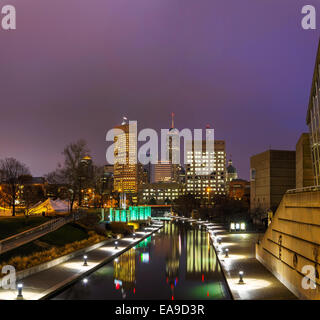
{"points": [[67, 181]]}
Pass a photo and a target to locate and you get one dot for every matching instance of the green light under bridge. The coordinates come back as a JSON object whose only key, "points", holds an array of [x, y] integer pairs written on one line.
{"points": [[131, 214]]}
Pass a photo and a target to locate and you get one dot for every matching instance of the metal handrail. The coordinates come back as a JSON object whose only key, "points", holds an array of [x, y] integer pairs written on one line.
{"points": [[298, 190], [47, 226]]}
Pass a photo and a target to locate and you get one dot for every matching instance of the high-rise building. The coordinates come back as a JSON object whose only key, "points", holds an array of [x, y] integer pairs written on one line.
{"points": [[173, 150], [86, 167], [163, 171], [143, 175], [107, 178], [125, 166], [161, 192], [206, 169], [273, 172], [313, 119], [147, 168]]}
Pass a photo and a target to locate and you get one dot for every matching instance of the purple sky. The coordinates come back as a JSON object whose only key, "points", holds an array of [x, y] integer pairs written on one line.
{"points": [[73, 68]]}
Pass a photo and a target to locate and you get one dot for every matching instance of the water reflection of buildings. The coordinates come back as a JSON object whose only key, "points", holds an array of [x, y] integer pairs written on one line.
{"points": [[124, 270], [201, 258], [173, 258]]}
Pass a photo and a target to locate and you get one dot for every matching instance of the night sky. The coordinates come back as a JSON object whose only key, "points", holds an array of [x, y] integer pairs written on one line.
{"points": [[73, 68]]}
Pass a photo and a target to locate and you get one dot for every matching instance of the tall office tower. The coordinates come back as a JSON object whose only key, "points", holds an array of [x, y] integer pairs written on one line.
{"points": [[125, 165], [86, 173], [163, 171], [107, 178], [206, 168], [313, 119], [173, 150], [143, 175], [272, 173], [86, 167], [147, 167]]}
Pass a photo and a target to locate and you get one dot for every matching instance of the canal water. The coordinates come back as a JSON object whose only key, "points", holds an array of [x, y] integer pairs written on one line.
{"points": [[175, 263]]}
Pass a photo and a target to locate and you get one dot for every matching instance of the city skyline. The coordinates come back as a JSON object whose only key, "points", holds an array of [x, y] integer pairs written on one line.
{"points": [[56, 96]]}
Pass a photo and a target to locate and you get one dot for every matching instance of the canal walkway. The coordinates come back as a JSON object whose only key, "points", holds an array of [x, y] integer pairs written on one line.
{"points": [[43, 284], [259, 283]]}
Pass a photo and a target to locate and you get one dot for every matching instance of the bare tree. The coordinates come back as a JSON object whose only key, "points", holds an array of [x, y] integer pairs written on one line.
{"points": [[12, 171], [30, 194], [70, 172]]}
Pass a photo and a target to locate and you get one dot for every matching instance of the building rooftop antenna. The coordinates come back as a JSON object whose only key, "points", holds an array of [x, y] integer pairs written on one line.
{"points": [[124, 120], [172, 120]]}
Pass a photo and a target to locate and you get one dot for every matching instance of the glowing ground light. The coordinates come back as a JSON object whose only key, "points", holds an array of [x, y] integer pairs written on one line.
{"points": [[85, 280], [20, 286], [241, 277]]}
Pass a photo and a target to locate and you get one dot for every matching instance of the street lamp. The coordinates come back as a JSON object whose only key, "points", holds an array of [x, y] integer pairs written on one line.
{"points": [[20, 286], [226, 253], [134, 236], [85, 261], [241, 277], [219, 240], [116, 243]]}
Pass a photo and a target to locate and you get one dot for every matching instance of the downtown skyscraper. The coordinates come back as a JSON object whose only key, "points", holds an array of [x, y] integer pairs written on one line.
{"points": [[206, 169], [125, 166]]}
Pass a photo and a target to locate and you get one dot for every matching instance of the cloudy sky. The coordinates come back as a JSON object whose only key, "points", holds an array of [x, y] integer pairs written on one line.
{"points": [[73, 68]]}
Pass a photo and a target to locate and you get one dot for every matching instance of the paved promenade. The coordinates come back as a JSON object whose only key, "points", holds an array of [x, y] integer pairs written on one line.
{"points": [[259, 283], [42, 284]]}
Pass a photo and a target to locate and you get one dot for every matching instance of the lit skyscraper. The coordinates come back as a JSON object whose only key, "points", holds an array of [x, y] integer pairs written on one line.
{"points": [[125, 166], [173, 150], [163, 172], [206, 169]]}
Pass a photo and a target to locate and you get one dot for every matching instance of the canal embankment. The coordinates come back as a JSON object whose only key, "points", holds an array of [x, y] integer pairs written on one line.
{"points": [[236, 253], [43, 284]]}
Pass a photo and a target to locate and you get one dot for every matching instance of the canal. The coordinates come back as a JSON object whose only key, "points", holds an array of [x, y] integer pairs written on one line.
{"points": [[177, 262]]}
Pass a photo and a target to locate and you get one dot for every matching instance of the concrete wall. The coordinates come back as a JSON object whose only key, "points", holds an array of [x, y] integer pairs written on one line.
{"points": [[304, 172], [292, 241]]}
